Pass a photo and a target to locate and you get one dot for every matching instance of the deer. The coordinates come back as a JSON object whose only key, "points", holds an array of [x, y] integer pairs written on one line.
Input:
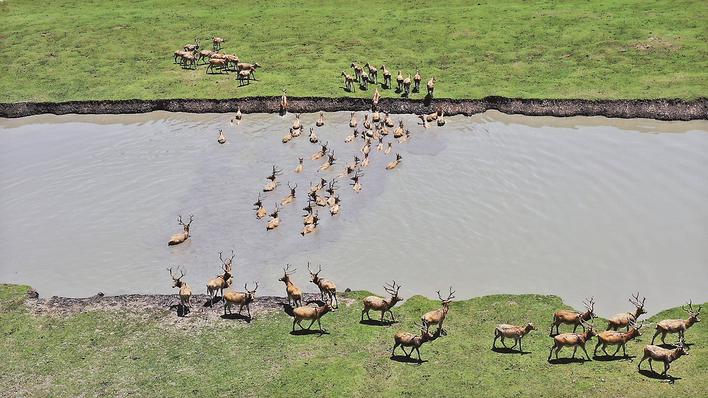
{"points": [[189, 59], [331, 190], [388, 149], [352, 121], [574, 340], [219, 63], [295, 133], [619, 339], [250, 68], [431, 117], [284, 102], [334, 207], [288, 137], [300, 166], [327, 287], [416, 81], [506, 331], [309, 228], [380, 145], [294, 293], [272, 183], [624, 319], [405, 137], [387, 76], [373, 72], [407, 86], [367, 147], [244, 77], [320, 120], [313, 136], [311, 314], [176, 239], [317, 187], [384, 305], [574, 318], [424, 121], [441, 118], [394, 163], [222, 137], [290, 198], [358, 71], [321, 152], [192, 47], [330, 161], [399, 132], [216, 43], [204, 55], [677, 325], [259, 208], [274, 221], [376, 97], [356, 184], [238, 115], [348, 82], [406, 339], [364, 85], [365, 162], [367, 123], [656, 353], [431, 86], [437, 317], [242, 299], [221, 281], [388, 122], [354, 164], [309, 217], [399, 81], [185, 292], [318, 200]]}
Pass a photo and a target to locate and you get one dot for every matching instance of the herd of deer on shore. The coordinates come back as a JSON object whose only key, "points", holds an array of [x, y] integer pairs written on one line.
{"points": [[191, 55], [403, 85]]}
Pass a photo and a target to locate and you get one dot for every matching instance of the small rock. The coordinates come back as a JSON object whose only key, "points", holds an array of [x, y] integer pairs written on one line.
{"points": [[33, 294], [347, 290]]}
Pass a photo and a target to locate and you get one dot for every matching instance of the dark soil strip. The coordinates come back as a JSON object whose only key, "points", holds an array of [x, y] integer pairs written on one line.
{"points": [[660, 109]]}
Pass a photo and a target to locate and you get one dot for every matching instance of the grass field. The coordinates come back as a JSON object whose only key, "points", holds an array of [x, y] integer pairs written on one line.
{"points": [[76, 50], [114, 353]]}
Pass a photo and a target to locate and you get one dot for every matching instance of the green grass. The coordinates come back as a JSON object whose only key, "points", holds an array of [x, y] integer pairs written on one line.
{"points": [[113, 353], [89, 49]]}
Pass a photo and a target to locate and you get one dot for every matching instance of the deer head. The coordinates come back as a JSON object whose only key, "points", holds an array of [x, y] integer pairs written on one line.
{"points": [[292, 189], [258, 203], [314, 276], [176, 281], [446, 302], [590, 307], [276, 172], [286, 273], [692, 313], [393, 289], [275, 212], [250, 294], [638, 304], [185, 226], [226, 263]]}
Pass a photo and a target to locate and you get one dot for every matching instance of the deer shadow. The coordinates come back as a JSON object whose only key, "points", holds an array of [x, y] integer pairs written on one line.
{"points": [[506, 350], [428, 99], [305, 332], [319, 303], [287, 308], [658, 376], [669, 346], [565, 361], [237, 316], [180, 310], [210, 303], [407, 359], [375, 322], [612, 358]]}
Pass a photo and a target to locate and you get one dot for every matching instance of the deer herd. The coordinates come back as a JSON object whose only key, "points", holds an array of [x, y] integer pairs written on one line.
{"points": [[192, 55], [363, 78]]}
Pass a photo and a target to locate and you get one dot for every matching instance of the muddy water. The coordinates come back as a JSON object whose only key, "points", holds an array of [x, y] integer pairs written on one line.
{"points": [[490, 204]]}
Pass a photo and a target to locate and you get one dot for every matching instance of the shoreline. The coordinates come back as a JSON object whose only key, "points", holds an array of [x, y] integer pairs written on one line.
{"points": [[658, 109]]}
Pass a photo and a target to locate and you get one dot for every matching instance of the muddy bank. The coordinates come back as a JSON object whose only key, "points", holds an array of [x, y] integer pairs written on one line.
{"points": [[660, 109]]}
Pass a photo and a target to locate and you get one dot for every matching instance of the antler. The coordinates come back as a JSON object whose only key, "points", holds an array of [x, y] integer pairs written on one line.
{"points": [[690, 309], [589, 304], [450, 296], [392, 289], [171, 274], [287, 270], [250, 291], [635, 300]]}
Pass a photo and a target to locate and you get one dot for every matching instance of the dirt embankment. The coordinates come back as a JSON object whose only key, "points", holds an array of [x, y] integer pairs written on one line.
{"points": [[660, 109]]}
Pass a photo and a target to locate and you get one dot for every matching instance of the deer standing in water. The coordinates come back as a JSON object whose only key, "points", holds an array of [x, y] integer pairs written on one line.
{"points": [[274, 221], [185, 292], [351, 136], [323, 151], [327, 287], [384, 305], [290, 198], [437, 317], [619, 339], [320, 120], [330, 161], [309, 217], [352, 121], [311, 314], [388, 149], [313, 136], [242, 299], [656, 353], [222, 137], [300, 166], [387, 76], [309, 228], [176, 239], [517, 333], [624, 319], [331, 191], [221, 281], [288, 137], [294, 293], [334, 207], [258, 207], [574, 318], [272, 183], [356, 185], [677, 325], [574, 340], [406, 339], [394, 163]]}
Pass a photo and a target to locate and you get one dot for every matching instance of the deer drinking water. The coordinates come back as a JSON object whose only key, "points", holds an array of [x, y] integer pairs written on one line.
{"points": [[380, 304], [221, 281], [574, 318], [185, 292], [437, 317], [624, 319], [176, 239], [242, 299], [294, 293], [327, 287], [677, 325]]}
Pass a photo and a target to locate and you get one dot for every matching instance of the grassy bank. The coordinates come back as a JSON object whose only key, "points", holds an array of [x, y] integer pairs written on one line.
{"points": [[75, 50], [118, 353]]}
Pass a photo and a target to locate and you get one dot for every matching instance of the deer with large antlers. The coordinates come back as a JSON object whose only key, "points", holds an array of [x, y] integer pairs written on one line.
{"points": [[272, 183], [311, 314], [310, 225], [677, 325], [289, 136], [335, 206], [259, 208], [437, 317], [222, 281], [242, 299], [380, 304], [300, 166], [574, 340], [356, 184], [331, 191], [185, 292], [322, 152], [294, 293], [327, 287], [656, 353], [394, 163], [274, 221], [176, 239], [309, 217], [406, 339], [619, 339], [291, 196], [624, 319], [506, 331], [329, 162], [574, 318], [313, 136]]}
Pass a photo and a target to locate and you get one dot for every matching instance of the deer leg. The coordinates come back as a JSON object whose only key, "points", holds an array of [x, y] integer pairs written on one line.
{"points": [[651, 367], [392, 317], [604, 347], [503, 342], [575, 327], [294, 321], [666, 369], [494, 343], [655, 334], [624, 350], [663, 336], [585, 351], [335, 300], [319, 325], [520, 349], [575, 349], [393, 351], [311, 323], [594, 352], [550, 353], [240, 309], [248, 309], [417, 351]]}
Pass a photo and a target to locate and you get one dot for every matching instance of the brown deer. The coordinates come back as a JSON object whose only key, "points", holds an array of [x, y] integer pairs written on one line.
{"points": [[619, 339], [399, 131], [192, 47], [222, 137], [244, 77], [327, 287], [185, 292], [399, 81], [218, 63], [406, 339], [311, 314], [437, 317], [331, 190], [309, 228], [321, 152], [356, 184], [656, 353], [407, 86], [364, 85], [380, 145], [309, 217], [284, 102], [238, 115], [431, 86], [348, 82], [231, 62], [189, 60], [677, 325], [222, 281], [387, 76], [334, 207], [506, 331], [204, 55], [373, 72], [375, 98], [358, 71], [320, 120], [294, 293], [272, 183], [216, 42], [291, 196], [388, 149], [242, 299], [574, 318], [574, 340], [250, 68], [348, 169], [394, 163], [384, 305], [259, 208], [624, 319], [388, 121], [441, 118], [317, 187], [352, 121], [274, 221], [313, 136], [424, 121], [176, 239], [288, 137], [299, 167], [416, 81], [329, 162], [365, 162]]}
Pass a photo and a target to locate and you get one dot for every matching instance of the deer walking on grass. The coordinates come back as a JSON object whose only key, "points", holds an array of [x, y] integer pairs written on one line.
{"points": [[624, 319], [570, 317], [437, 317], [380, 304], [242, 299], [506, 331], [328, 290], [679, 326], [574, 340], [406, 339], [656, 353], [311, 314]]}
